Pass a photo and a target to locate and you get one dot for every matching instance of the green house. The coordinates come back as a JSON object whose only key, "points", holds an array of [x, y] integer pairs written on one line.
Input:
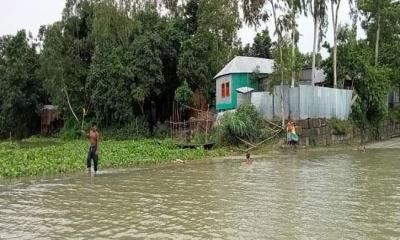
{"points": [[238, 74]]}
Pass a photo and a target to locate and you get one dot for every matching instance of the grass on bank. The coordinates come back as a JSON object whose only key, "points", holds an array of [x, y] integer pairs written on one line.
{"points": [[39, 157]]}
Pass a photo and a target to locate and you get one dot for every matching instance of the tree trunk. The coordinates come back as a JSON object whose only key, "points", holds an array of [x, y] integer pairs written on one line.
{"points": [[334, 22], [378, 31], [280, 60], [282, 102], [316, 22], [293, 46]]}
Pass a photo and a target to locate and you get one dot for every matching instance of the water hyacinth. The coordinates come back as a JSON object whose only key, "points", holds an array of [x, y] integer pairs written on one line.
{"points": [[17, 160]]}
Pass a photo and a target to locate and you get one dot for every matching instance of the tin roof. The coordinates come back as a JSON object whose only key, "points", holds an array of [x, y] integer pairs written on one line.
{"points": [[244, 90], [242, 64]]}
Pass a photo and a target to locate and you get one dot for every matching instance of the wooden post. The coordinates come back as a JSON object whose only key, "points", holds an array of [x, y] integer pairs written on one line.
{"points": [[10, 137]]}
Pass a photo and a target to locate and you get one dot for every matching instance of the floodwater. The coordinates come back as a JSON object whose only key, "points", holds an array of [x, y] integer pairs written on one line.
{"points": [[348, 195]]}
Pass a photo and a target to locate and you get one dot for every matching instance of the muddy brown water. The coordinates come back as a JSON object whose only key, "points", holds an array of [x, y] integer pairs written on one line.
{"points": [[346, 195]]}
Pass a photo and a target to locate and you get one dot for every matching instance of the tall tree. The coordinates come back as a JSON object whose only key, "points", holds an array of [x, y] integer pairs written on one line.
{"points": [[210, 47], [262, 45], [20, 86], [280, 27], [296, 7], [375, 12], [66, 58], [335, 4], [254, 12], [318, 10]]}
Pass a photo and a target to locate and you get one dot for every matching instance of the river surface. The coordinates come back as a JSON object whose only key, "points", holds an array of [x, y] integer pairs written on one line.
{"points": [[348, 195]]}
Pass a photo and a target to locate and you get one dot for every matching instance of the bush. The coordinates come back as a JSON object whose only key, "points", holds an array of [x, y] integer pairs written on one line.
{"points": [[394, 114], [137, 128], [184, 94], [340, 127], [162, 131], [244, 123], [71, 129]]}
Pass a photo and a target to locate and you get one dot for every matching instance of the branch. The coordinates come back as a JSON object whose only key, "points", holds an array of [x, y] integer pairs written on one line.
{"points": [[245, 142], [70, 107], [263, 141]]}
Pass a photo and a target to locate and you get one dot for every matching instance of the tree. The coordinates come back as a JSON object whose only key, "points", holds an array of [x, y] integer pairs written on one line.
{"points": [[261, 46], [369, 82], [308, 58], [205, 52], [145, 68], [191, 16], [334, 12], [20, 86], [318, 11], [296, 7], [66, 58], [375, 10], [184, 95]]}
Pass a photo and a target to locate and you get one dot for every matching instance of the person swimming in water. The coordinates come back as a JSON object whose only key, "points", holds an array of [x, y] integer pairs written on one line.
{"points": [[248, 159], [93, 154]]}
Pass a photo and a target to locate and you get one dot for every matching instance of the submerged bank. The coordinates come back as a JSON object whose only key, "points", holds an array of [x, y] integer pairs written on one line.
{"points": [[39, 157]]}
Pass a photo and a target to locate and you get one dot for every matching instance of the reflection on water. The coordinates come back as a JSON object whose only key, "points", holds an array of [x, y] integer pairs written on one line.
{"points": [[306, 196]]}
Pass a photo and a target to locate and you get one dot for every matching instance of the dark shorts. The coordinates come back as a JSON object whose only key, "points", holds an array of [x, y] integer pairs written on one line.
{"points": [[92, 155]]}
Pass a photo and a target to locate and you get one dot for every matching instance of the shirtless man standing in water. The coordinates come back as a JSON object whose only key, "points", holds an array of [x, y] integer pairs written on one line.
{"points": [[94, 138]]}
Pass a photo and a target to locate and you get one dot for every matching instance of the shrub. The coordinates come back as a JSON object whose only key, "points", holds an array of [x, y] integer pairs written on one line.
{"points": [[340, 127], [184, 94], [71, 129], [244, 123], [137, 128], [162, 131], [394, 114]]}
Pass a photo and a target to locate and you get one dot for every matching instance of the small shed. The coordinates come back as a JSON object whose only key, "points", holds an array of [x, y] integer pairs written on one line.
{"points": [[49, 117], [236, 74], [244, 95], [306, 77]]}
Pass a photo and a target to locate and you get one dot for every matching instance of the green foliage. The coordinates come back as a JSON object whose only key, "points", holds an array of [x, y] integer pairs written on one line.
{"points": [[394, 114], [284, 69], [340, 127], [260, 48], [137, 128], [205, 52], [162, 131], [20, 88], [71, 130], [69, 157], [116, 59], [244, 123], [184, 95], [371, 83]]}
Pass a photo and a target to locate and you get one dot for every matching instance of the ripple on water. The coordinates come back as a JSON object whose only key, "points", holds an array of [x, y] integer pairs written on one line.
{"points": [[305, 196]]}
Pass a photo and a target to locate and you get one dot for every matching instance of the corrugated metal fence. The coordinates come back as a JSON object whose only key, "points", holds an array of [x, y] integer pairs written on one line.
{"points": [[304, 102]]}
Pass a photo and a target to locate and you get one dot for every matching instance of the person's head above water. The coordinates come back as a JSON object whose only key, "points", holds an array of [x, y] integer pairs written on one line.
{"points": [[248, 155]]}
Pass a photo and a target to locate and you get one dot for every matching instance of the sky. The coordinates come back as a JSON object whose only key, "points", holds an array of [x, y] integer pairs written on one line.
{"points": [[31, 14]]}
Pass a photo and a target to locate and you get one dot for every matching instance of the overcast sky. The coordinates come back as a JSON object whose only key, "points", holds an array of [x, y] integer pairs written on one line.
{"points": [[31, 14]]}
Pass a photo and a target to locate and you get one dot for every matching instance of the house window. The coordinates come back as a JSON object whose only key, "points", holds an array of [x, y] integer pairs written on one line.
{"points": [[225, 90]]}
